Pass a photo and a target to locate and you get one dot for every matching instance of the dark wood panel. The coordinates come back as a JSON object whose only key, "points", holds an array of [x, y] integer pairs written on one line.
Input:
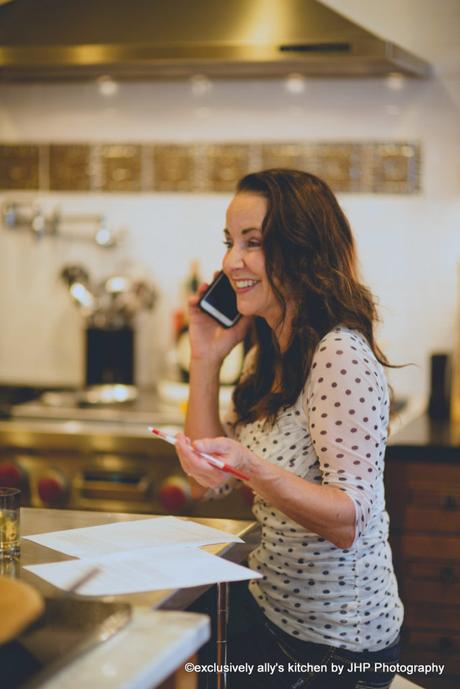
{"points": [[433, 473], [433, 640], [423, 501], [445, 572], [425, 656], [420, 518], [425, 546], [444, 617], [435, 682], [429, 592]]}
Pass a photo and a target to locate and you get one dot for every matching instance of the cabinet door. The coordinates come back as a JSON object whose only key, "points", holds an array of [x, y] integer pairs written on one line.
{"points": [[423, 497], [436, 581], [437, 646]]}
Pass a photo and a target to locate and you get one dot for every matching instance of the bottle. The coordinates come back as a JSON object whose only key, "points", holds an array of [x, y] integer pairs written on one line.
{"points": [[180, 320], [440, 393], [189, 287]]}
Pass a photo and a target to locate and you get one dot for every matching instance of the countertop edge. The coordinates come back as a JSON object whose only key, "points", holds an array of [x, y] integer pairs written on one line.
{"points": [[142, 655]]}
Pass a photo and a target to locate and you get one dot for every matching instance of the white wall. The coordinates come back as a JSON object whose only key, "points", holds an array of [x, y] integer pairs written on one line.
{"points": [[409, 245]]}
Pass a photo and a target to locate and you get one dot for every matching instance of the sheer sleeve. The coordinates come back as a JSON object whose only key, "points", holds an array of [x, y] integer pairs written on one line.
{"points": [[346, 404], [229, 424]]}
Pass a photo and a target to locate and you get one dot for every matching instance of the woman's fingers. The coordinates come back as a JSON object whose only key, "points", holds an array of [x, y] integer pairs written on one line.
{"points": [[195, 298], [217, 445], [194, 465]]}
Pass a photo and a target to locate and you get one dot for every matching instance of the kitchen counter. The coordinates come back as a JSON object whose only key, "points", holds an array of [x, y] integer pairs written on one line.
{"points": [[58, 420], [121, 428], [155, 642], [141, 656], [424, 439], [34, 521]]}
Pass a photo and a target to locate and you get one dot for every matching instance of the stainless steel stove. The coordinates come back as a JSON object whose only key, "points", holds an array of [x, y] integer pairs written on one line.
{"points": [[64, 452]]}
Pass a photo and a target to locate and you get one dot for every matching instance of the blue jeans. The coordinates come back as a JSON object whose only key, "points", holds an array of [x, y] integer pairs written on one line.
{"points": [[254, 640]]}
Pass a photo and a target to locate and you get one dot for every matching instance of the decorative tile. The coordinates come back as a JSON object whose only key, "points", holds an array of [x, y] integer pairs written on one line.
{"points": [[355, 167], [226, 164], [69, 167], [173, 167], [287, 155], [396, 168], [19, 166], [120, 167], [338, 164]]}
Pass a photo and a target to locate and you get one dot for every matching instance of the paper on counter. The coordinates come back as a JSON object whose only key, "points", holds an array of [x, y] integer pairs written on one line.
{"points": [[146, 569], [122, 536]]}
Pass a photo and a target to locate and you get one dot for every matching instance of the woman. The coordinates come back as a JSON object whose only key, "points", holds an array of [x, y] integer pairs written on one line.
{"points": [[309, 428]]}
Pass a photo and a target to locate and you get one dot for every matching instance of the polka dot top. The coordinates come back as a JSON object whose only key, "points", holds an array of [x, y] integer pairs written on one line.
{"points": [[335, 435]]}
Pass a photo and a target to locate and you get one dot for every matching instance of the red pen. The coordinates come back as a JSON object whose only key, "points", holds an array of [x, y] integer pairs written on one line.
{"points": [[218, 463]]}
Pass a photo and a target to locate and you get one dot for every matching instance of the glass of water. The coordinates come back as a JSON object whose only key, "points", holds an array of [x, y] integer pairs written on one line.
{"points": [[10, 502]]}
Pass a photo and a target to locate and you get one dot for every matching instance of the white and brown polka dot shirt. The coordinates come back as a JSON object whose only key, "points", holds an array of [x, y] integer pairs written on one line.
{"points": [[334, 434]]}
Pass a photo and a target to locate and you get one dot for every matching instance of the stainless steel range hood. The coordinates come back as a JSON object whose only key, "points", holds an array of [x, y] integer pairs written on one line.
{"points": [[131, 39]]}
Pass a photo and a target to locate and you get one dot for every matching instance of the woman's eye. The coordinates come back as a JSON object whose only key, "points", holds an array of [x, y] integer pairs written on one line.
{"points": [[254, 243], [227, 243]]}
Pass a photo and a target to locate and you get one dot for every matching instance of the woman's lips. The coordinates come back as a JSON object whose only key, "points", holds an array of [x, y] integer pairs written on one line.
{"points": [[244, 286]]}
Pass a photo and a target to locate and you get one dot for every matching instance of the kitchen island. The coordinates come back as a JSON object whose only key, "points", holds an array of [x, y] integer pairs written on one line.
{"points": [[159, 638]]}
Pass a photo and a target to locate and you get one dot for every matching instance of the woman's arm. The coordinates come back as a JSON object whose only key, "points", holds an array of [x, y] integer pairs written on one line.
{"points": [[210, 343], [325, 510], [202, 418]]}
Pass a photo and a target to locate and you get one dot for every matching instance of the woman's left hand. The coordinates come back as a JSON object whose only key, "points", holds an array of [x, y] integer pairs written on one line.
{"points": [[229, 451]]}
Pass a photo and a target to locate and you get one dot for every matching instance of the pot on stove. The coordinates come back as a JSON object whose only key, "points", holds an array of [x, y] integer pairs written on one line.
{"points": [[109, 309], [109, 355]]}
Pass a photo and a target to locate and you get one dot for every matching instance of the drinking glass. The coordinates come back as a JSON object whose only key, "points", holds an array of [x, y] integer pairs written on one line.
{"points": [[10, 501]]}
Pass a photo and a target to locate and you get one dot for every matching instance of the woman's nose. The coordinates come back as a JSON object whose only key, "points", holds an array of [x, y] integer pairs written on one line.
{"points": [[233, 259]]}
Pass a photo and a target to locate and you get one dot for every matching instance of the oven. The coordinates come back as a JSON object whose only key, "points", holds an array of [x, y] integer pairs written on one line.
{"points": [[66, 455]]}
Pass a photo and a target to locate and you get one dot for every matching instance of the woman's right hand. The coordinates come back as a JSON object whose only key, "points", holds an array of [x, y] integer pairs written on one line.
{"points": [[209, 340]]}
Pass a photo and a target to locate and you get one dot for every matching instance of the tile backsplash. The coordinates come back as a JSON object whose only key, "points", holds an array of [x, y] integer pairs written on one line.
{"points": [[358, 167]]}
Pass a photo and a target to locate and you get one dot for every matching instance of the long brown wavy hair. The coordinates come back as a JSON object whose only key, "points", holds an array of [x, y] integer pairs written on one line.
{"points": [[310, 250]]}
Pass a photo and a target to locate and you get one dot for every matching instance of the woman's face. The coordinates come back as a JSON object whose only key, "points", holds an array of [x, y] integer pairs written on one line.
{"points": [[244, 261]]}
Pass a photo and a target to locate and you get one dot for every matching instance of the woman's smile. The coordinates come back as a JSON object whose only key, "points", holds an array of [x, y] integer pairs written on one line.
{"points": [[244, 285]]}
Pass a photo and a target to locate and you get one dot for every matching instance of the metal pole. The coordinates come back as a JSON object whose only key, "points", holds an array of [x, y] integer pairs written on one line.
{"points": [[223, 590]]}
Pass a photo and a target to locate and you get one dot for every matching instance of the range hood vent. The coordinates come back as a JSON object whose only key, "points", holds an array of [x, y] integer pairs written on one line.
{"points": [[157, 39]]}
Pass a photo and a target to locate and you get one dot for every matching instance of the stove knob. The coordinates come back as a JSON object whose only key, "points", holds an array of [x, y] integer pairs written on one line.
{"points": [[174, 494], [11, 475], [52, 488]]}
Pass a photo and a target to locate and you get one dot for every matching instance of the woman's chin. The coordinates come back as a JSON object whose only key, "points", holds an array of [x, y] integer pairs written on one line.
{"points": [[245, 309]]}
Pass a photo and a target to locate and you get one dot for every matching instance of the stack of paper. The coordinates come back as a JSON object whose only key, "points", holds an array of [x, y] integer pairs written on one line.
{"points": [[141, 555]]}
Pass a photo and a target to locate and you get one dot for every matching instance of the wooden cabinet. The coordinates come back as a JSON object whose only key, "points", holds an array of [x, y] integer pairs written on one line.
{"points": [[423, 500]]}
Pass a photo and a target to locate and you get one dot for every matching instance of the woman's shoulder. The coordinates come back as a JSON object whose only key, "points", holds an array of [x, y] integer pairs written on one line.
{"points": [[344, 360], [344, 348], [342, 336]]}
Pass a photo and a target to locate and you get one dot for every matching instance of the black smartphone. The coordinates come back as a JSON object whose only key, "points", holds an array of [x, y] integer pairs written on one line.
{"points": [[219, 301]]}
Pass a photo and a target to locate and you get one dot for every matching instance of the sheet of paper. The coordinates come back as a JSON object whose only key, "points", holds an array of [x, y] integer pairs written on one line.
{"points": [[122, 536], [146, 569]]}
